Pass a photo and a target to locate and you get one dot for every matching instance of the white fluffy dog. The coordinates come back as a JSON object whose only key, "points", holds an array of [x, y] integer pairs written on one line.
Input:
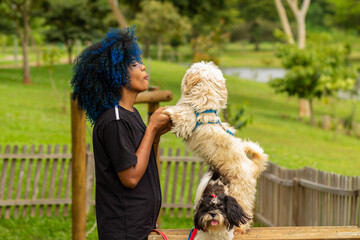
{"points": [[195, 119]]}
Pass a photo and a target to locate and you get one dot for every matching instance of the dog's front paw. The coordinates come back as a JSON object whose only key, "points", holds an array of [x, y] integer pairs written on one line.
{"points": [[168, 111], [242, 229]]}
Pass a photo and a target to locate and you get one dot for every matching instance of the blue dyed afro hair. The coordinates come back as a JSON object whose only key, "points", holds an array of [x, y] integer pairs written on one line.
{"points": [[101, 69]]}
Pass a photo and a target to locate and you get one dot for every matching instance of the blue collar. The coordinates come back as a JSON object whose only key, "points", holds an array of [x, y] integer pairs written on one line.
{"points": [[217, 122]]}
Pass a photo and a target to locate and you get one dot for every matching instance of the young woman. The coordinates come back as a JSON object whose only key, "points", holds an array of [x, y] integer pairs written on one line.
{"points": [[107, 78]]}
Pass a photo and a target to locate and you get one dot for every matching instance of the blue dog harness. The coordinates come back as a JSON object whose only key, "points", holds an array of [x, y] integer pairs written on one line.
{"points": [[198, 123]]}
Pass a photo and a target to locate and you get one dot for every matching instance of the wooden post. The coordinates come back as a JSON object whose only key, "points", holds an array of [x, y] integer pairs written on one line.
{"points": [[79, 172], [295, 202]]}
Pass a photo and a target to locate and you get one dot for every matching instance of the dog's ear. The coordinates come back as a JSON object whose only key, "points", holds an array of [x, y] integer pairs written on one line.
{"points": [[198, 219], [235, 213], [191, 78]]}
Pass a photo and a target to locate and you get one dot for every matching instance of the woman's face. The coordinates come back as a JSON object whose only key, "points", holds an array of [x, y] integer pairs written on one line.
{"points": [[138, 77]]}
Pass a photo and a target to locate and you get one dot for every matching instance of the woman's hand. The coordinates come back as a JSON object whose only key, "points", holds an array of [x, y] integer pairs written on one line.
{"points": [[159, 122]]}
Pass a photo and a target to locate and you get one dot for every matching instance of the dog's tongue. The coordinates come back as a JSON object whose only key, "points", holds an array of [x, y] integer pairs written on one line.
{"points": [[214, 222]]}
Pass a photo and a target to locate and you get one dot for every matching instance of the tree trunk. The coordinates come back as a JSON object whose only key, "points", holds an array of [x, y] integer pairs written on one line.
{"points": [[257, 46], [312, 116], [25, 43], [304, 108], [301, 31], [146, 48], [284, 22], [118, 14], [300, 14], [15, 50], [3, 44], [69, 47], [160, 50]]}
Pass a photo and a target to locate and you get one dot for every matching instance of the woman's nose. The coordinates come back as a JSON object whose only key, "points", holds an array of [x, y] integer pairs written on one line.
{"points": [[143, 67]]}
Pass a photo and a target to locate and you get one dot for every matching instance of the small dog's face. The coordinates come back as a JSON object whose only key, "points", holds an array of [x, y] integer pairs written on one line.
{"points": [[218, 213]]}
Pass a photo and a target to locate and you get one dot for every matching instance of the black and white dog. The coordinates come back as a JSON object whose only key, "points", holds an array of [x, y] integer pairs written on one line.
{"points": [[216, 213]]}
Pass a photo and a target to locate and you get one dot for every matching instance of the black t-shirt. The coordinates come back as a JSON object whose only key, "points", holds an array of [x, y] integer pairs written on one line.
{"points": [[123, 213]]}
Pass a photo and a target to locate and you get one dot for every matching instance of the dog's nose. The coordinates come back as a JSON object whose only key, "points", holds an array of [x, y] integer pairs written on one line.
{"points": [[213, 214]]}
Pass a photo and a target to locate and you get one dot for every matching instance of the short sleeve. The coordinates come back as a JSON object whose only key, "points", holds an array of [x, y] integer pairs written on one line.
{"points": [[119, 145]]}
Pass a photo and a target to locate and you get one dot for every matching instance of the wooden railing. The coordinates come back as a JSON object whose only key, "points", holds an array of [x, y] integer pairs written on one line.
{"points": [[36, 181], [307, 197]]}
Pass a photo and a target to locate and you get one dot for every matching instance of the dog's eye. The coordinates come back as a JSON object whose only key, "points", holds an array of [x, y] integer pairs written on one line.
{"points": [[221, 207]]}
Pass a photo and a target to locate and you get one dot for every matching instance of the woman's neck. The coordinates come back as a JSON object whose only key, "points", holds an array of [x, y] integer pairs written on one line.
{"points": [[128, 99]]}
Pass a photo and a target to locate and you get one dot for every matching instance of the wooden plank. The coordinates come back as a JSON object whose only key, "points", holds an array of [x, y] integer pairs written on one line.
{"points": [[35, 155], [90, 172], [183, 183], [44, 181], [174, 185], [354, 201], [28, 181], [30, 202], [11, 182], [68, 186], [275, 233], [191, 184], [179, 159], [36, 186], [53, 177], [3, 178], [167, 177], [19, 186], [60, 182]]}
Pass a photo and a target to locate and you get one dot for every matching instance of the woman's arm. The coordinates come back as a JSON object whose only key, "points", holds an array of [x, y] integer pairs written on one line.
{"points": [[158, 123]]}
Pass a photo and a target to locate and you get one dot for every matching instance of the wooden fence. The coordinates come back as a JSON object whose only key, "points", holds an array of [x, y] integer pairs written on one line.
{"points": [[307, 197], [37, 182]]}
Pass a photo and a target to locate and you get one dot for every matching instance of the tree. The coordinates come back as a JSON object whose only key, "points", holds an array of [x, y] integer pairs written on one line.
{"points": [[206, 16], [68, 22], [259, 20], [114, 5], [314, 72], [20, 12], [300, 14], [160, 21]]}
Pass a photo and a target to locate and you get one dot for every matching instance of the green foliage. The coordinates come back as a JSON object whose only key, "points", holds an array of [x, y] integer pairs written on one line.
{"points": [[51, 56], [205, 15], [347, 14], [259, 19], [240, 120], [320, 69], [161, 20], [209, 47], [70, 21]]}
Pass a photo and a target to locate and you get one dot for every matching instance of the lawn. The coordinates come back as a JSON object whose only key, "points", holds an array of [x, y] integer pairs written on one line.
{"points": [[32, 115]]}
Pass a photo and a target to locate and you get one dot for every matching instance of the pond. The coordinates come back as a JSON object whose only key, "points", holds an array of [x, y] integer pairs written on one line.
{"points": [[257, 74], [265, 74]]}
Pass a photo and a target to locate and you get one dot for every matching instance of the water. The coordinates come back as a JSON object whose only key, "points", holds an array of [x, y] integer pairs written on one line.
{"points": [[266, 74], [257, 74]]}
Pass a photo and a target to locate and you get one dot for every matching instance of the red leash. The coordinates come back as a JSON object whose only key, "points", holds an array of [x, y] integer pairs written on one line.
{"points": [[162, 234]]}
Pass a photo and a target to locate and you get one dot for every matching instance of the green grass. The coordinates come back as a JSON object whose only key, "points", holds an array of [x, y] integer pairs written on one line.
{"points": [[32, 115]]}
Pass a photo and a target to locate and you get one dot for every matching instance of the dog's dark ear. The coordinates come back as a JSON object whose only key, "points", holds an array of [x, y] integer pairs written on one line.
{"points": [[198, 219], [235, 213]]}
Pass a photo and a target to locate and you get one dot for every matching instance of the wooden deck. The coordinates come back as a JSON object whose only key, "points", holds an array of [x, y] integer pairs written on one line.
{"points": [[276, 233]]}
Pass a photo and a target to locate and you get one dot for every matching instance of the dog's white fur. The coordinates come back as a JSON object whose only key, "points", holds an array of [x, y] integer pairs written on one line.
{"points": [[203, 88]]}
